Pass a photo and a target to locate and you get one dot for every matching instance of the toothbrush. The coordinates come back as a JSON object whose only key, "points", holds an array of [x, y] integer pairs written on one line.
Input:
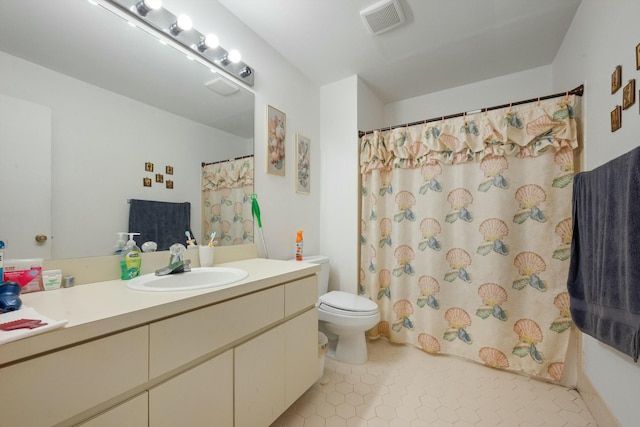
{"points": [[213, 236], [189, 240]]}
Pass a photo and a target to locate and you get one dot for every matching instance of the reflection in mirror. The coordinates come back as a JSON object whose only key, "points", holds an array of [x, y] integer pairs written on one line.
{"points": [[93, 104]]}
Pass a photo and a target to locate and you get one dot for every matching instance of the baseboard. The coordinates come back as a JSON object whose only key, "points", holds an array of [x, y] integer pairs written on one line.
{"points": [[592, 399]]}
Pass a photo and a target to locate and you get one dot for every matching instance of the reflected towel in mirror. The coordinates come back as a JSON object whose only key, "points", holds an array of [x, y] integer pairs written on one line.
{"points": [[162, 222]]}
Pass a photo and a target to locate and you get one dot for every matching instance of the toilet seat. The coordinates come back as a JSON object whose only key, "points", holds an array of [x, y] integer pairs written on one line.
{"points": [[347, 304]]}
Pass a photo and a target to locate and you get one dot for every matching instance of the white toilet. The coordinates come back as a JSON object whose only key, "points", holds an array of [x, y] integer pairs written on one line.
{"points": [[343, 317]]}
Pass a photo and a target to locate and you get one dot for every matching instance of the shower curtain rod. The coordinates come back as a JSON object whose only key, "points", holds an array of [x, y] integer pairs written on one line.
{"points": [[577, 91], [228, 160]]}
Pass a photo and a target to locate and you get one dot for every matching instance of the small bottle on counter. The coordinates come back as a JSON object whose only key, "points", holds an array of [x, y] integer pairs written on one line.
{"points": [[299, 246]]}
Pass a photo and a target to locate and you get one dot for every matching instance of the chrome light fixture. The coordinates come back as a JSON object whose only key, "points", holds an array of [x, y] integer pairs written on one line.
{"points": [[179, 32]]}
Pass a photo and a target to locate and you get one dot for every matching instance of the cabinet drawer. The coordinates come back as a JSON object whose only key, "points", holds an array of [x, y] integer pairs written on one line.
{"points": [[300, 294], [132, 413], [178, 340], [51, 388]]}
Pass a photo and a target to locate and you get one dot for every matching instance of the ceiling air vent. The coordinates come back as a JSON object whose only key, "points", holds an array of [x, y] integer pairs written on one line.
{"points": [[382, 16]]}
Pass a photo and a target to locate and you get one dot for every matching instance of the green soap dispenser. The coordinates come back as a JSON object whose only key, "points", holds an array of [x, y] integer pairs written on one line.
{"points": [[130, 259]]}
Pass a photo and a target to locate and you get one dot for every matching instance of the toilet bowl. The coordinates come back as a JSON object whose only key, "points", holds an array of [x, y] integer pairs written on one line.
{"points": [[344, 317]]}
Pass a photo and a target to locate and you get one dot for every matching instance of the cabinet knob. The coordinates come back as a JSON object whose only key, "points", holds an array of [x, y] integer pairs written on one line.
{"points": [[41, 238]]}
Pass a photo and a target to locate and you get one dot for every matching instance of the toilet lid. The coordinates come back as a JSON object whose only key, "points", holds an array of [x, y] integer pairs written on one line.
{"points": [[338, 301]]}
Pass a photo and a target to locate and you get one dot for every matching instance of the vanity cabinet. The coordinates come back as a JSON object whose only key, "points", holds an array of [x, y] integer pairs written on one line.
{"points": [[237, 361]]}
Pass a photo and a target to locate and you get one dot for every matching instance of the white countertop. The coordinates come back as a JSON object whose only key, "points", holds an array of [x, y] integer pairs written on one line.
{"points": [[102, 308]]}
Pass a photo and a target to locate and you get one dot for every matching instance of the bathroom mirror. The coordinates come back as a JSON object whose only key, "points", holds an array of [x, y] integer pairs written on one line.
{"points": [[120, 111]]}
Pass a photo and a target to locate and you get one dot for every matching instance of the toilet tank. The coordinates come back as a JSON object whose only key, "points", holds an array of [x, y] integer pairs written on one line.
{"points": [[323, 275]]}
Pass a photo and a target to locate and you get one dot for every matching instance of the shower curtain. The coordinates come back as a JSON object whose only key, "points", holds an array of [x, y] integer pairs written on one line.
{"points": [[466, 232], [226, 201]]}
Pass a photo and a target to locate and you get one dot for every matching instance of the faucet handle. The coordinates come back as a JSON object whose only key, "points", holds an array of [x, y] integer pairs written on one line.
{"points": [[177, 251]]}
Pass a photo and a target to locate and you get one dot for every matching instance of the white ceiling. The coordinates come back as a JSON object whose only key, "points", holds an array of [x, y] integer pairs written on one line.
{"points": [[443, 44]]}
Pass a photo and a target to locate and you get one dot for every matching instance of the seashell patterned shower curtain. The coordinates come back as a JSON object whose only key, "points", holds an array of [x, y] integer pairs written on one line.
{"points": [[226, 201], [466, 233]]}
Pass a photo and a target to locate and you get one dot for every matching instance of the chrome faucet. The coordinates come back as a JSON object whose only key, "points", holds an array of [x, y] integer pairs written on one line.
{"points": [[177, 263]]}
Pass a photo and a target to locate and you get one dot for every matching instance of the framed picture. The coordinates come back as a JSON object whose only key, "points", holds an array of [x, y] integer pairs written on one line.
{"points": [[629, 94], [169, 184], [169, 170], [638, 57], [146, 182], [148, 167], [159, 177], [616, 118], [616, 79], [276, 140], [303, 164]]}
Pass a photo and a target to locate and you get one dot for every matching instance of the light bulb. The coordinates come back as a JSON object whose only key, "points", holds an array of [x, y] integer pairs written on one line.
{"points": [[209, 42], [145, 6], [153, 4], [234, 56], [184, 22]]}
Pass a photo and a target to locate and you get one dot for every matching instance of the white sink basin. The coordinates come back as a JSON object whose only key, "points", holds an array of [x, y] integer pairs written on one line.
{"points": [[197, 278]]}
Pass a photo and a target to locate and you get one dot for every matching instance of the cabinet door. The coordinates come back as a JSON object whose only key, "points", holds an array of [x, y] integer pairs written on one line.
{"points": [[259, 379], [301, 355], [132, 413], [66, 382], [201, 396]]}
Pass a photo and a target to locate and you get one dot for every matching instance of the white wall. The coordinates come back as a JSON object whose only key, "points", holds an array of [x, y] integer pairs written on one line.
{"points": [[603, 35], [100, 142], [279, 84], [339, 221], [487, 93]]}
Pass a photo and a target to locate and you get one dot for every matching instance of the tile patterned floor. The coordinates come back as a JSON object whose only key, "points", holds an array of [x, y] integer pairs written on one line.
{"points": [[401, 386]]}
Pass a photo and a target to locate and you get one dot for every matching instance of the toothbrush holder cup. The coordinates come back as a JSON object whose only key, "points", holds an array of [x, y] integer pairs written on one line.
{"points": [[205, 254]]}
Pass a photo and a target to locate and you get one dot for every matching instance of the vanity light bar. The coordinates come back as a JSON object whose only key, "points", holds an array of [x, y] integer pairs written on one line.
{"points": [[177, 30]]}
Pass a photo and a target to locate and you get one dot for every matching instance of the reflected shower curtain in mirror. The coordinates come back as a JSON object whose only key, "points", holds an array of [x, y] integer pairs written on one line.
{"points": [[466, 232], [226, 201]]}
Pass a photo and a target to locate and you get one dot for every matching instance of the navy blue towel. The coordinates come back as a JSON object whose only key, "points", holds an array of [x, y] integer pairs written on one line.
{"points": [[162, 222], [604, 272]]}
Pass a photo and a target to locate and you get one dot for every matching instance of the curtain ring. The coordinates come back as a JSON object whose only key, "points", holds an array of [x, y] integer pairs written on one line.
{"points": [[442, 119], [538, 101], [566, 96], [486, 111], [510, 106]]}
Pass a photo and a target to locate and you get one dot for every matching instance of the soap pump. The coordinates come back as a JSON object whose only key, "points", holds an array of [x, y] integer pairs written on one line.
{"points": [[120, 243], [130, 259]]}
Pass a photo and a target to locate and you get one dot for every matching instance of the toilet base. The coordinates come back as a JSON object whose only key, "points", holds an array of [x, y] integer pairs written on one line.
{"points": [[347, 348]]}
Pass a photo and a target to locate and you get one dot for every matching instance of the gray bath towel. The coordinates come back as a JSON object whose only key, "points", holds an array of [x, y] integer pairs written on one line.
{"points": [[604, 272], [162, 222]]}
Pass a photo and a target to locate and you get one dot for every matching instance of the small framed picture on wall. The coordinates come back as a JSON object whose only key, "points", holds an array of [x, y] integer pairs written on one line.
{"points": [[616, 118], [276, 140], [629, 94], [638, 57], [616, 79], [303, 164]]}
